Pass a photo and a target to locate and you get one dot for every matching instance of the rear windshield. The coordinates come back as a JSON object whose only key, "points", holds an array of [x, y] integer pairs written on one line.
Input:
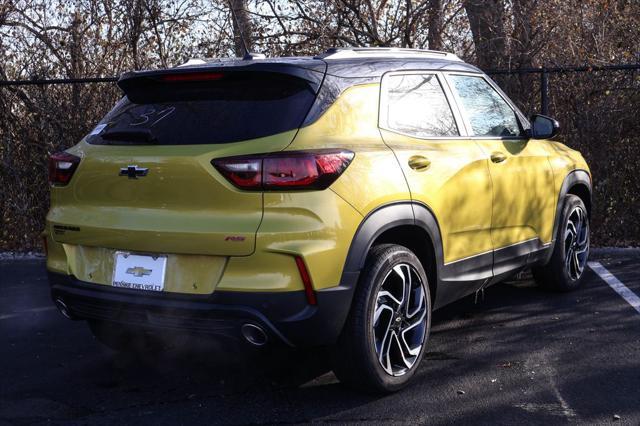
{"points": [[227, 108]]}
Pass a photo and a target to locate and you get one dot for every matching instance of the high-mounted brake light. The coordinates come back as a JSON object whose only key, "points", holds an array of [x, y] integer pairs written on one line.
{"points": [[293, 170], [62, 165], [196, 76]]}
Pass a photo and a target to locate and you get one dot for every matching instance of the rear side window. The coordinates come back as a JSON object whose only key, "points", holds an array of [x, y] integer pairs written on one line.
{"points": [[225, 108], [487, 112], [415, 104]]}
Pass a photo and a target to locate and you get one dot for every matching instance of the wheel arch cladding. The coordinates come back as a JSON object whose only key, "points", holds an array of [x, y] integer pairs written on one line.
{"points": [[419, 242], [583, 191], [409, 224], [578, 183]]}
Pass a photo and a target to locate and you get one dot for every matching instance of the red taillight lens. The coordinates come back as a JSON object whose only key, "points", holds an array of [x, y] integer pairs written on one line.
{"points": [[62, 165], [245, 173], [294, 170]]}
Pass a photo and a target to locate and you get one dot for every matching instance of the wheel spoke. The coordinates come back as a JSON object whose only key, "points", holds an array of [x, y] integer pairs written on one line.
{"points": [[571, 233], [416, 350], [408, 363], [404, 273], [578, 222], [386, 327], [391, 297], [582, 247], [576, 264], [579, 264], [583, 238], [405, 346], [417, 320], [421, 301], [379, 310], [567, 260], [384, 355]]}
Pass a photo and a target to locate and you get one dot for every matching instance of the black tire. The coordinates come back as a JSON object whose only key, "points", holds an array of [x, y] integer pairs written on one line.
{"points": [[122, 338], [565, 270], [356, 359]]}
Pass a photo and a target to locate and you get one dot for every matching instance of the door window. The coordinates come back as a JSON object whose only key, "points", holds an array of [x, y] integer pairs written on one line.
{"points": [[487, 112], [415, 104]]}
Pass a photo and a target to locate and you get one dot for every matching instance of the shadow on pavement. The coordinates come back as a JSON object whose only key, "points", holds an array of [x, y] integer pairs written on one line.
{"points": [[520, 354]]}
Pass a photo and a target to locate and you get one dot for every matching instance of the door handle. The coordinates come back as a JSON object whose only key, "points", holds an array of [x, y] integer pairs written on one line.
{"points": [[498, 157], [419, 163]]}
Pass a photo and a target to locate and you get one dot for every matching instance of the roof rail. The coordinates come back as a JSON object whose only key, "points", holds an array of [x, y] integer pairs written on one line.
{"points": [[202, 61], [251, 56], [193, 61], [384, 52]]}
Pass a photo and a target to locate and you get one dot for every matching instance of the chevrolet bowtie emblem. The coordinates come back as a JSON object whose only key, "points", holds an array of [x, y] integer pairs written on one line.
{"points": [[139, 271], [134, 172]]}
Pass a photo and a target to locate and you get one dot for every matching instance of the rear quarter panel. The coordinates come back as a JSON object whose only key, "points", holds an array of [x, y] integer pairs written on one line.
{"points": [[320, 225], [373, 178]]}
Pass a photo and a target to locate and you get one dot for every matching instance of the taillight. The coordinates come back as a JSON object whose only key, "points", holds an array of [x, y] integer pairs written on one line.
{"points": [[245, 173], [293, 170], [61, 168]]}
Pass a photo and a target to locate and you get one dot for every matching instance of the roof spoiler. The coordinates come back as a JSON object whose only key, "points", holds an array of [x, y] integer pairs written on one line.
{"points": [[132, 79]]}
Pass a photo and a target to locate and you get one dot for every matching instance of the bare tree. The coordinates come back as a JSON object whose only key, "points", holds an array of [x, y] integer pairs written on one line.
{"points": [[86, 38], [242, 27], [487, 19], [134, 28], [435, 24]]}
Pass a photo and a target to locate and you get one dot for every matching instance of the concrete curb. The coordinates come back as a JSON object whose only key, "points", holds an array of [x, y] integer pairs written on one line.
{"points": [[12, 255]]}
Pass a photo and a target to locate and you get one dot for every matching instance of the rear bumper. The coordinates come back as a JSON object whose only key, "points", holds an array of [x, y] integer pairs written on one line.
{"points": [[285, 316]]}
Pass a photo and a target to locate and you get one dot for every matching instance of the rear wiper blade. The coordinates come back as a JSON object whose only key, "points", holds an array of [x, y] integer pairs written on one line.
{"points": [[130, 135]]}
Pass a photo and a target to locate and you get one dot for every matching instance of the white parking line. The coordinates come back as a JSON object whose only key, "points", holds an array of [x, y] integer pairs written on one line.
{"points": [[615, 284], [27, 311]]}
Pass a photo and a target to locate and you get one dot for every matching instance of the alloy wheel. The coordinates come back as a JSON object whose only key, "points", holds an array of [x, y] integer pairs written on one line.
{"points": [[400, 319], [576, 243]]}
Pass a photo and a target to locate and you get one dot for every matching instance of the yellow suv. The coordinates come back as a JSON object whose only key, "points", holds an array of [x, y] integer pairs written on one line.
{"points": [[327, 201]]}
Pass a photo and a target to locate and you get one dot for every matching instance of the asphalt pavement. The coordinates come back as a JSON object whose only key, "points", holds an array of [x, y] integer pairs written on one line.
{"points": [[520, 356]]}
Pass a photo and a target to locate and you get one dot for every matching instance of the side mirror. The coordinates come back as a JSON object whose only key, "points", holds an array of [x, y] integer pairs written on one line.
{"points": [[543, 127]]}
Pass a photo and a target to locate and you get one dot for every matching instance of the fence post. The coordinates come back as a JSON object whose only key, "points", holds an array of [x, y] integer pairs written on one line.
{"points": [[544, 92]]}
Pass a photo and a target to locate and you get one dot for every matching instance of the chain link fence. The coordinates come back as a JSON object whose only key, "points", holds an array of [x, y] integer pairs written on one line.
{"points": [[598, 108], [599, 111]]}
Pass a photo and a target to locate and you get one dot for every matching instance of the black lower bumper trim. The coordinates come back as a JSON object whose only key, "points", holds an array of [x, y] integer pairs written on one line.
{"points": [[285, 316]]}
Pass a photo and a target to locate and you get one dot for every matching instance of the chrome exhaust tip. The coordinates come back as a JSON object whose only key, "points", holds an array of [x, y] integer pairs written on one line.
{"points": [[254, 334], [63, 308]]}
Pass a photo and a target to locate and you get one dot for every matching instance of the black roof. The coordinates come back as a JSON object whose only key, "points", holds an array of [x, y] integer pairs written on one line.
{"points": [[375, 67], [364, 63], [351, 67], [332, 72]]}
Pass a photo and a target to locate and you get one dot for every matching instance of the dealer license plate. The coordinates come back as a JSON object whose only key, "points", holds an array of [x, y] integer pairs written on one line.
{"points": [[139, 272]]}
